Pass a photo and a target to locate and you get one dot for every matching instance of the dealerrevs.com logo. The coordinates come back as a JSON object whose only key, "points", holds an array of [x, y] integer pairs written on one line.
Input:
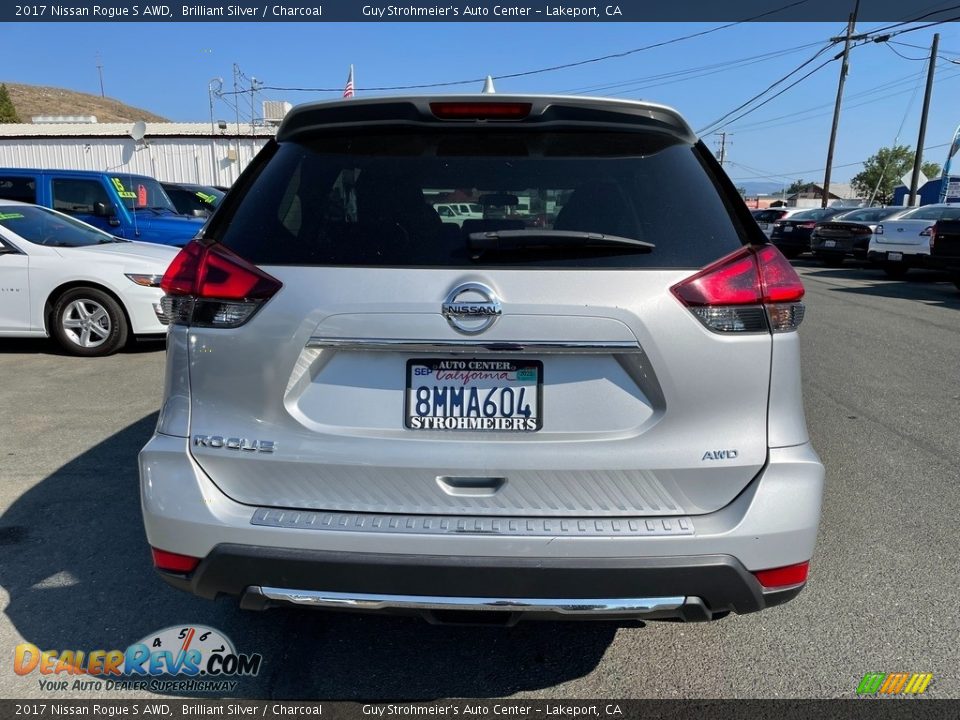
{"points": [[176, 659]]}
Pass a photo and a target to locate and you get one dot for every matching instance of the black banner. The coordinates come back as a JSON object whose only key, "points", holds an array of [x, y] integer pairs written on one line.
{"points": [[865, 709], [472, 11]]}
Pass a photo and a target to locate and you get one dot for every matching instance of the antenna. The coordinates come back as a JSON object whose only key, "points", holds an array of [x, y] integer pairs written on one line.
{"points": [[488, 88]]}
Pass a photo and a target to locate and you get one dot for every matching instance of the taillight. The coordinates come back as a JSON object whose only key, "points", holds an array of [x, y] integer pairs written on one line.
{"points": [[782, 577], [210, 286], [754, 289], [927, 231], [172, 562], [933, 237], [879, 230], [480, 110], [807, 225]]}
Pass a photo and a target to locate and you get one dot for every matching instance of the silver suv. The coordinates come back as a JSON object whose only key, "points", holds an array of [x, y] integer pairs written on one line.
{"points": [[585, 403]]}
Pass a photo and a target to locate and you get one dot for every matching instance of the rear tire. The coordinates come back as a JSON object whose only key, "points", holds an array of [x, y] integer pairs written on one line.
{"points": [[832, 261], [895, 272], [790, 254], [88, 322]]}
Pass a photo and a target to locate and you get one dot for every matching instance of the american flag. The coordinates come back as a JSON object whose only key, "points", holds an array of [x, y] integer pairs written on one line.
{"points": [[348, 90]]}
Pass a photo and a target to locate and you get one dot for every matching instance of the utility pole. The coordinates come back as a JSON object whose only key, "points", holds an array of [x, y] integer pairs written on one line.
{"points": [[100, 73], [722, 157], [844, 68], [918, 158]]}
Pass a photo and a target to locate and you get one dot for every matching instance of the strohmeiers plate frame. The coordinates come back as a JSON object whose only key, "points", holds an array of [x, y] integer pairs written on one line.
{"points": [[516, 362]]}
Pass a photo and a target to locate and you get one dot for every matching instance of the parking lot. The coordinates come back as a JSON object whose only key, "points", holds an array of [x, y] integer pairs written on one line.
{"points": [[882, 392]]}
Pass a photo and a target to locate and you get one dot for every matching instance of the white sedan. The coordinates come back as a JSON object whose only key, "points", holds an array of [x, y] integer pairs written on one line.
{"points": [[63, 278], [904, 242]]}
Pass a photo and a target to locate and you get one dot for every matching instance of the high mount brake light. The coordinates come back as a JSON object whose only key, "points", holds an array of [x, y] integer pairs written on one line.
{"points": [[754, 289], [480, 110], [210, 286]]}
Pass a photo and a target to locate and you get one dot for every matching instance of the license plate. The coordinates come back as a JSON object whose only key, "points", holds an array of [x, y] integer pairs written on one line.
{"points": [[501, 395], [829, 243], [764, 226], [894, 257], [788, 228]]}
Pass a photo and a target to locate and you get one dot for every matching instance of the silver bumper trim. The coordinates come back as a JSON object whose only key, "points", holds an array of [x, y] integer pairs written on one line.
{"points": [[565, 606], [537, 347]]}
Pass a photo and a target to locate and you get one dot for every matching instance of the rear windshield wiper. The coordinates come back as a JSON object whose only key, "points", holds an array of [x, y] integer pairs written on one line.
{"points": [[553, 239]]}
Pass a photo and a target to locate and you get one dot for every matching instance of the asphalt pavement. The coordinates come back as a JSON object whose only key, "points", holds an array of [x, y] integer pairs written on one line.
{"points": [[881, 362]]}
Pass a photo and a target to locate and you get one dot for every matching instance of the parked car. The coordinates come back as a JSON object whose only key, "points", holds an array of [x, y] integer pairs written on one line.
{"points": [[194, 200], [904, 242], [945, 248], [134, 207], [368, 408], [848, 234], [768, 216], [792, 234], [62, 278]]}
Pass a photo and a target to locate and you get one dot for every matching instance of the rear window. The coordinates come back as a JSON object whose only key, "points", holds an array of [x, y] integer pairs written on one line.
{"points": [[375, 199]]}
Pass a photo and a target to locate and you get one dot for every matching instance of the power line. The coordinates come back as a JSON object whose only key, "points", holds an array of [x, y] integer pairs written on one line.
{"points": [[640, 83], [552, 68], [803, 115], [720, 121], [800, 173]]}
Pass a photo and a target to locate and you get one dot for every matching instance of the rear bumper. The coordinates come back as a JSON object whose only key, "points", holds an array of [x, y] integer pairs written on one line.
{"points": [[792, 241], [366, 563], [685, 588], [913, 255]]}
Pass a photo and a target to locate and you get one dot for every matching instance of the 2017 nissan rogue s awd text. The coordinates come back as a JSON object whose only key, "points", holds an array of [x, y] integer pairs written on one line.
{"points": [[585, 403]]}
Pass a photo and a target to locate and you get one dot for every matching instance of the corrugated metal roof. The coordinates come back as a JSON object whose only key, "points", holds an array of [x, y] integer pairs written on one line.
{"points": [[154, 129]]}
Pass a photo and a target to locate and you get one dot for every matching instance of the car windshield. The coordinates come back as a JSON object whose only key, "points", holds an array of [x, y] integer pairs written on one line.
{"points": [[816, 214], [141, 193], [46, 227], [869, 214], [933, 213]]}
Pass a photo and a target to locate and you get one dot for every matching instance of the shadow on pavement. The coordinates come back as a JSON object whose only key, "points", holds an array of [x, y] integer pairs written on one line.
{"points": [[78, 573], [46, 346], [927, 286]]}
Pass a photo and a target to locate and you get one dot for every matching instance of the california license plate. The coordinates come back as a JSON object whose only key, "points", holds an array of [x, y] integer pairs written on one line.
{"points": [[788, 228], [894, 257], [829, 243], [502, 395]]}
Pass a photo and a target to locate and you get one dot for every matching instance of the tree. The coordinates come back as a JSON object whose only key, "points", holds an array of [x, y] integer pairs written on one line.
{"points": [[883, 170], [742, 191], [797, 186], [930, 169], [8, 113]]}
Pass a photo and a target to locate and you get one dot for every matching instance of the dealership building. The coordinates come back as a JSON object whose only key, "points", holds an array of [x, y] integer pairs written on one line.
{"points": [[203, 153]]}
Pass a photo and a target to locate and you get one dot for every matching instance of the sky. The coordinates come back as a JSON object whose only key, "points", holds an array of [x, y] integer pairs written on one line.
{"points": [[167, 68]]}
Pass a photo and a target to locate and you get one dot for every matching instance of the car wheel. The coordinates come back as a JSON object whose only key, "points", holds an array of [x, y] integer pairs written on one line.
{"points": [[790, 254], [88, 322], [895, 272], [832, 261]]}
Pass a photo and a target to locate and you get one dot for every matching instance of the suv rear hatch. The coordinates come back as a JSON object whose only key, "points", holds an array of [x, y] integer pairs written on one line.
{"points": [[544, 363]]}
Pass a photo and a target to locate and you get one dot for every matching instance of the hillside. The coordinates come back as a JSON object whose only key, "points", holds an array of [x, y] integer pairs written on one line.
{"points": [[31, 100]]}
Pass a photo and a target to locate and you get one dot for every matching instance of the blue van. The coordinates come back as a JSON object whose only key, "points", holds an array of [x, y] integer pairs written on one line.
{"points": [[134, 207]]}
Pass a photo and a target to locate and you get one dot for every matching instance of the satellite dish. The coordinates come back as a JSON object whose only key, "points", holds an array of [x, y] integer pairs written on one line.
{"points": [[138, 131]]}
